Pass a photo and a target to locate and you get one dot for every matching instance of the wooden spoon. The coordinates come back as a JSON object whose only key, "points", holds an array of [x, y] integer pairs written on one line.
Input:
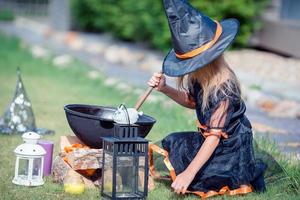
{"points": [[144, 97]]}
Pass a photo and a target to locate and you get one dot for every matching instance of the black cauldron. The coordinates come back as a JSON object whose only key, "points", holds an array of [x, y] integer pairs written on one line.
{"points": [[90, 123]]}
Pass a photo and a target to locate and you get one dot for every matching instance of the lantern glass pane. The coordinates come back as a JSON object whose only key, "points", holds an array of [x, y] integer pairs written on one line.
{"points": [[141, 179], [127, 171], [107, 175], [23, 167], [37, 167]]}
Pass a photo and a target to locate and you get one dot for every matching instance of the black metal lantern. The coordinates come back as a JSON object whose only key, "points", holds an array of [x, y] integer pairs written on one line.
{"points": [[125, 164]]}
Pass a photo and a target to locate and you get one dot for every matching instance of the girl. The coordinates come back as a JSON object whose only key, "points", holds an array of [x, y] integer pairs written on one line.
{"points": [[219, 158]]}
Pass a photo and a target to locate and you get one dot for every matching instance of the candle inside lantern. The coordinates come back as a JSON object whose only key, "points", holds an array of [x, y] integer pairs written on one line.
{"points": [[48, 146]]}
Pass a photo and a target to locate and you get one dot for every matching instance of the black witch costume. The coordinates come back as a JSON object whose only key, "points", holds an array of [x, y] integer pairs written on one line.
{"points": [[197, 41], [232, 163]]}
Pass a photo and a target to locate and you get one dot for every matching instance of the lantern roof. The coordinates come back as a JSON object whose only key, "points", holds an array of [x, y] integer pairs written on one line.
{"points": [[31, 137], [30, 147], [27, 149]]}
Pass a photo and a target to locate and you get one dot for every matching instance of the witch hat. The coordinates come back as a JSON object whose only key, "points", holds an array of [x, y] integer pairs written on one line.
{"points": [[19, 116], [197, 40]]}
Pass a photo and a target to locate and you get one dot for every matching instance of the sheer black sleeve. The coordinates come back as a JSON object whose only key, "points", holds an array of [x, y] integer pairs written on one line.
{"points": [[220, 118]]}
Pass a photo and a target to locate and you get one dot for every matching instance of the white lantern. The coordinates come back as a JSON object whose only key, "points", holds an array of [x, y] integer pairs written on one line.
{"points": [[29, 161]]}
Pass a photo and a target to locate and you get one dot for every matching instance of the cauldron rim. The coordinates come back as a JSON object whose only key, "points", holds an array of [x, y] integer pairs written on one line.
{"points": [[68, 109]]}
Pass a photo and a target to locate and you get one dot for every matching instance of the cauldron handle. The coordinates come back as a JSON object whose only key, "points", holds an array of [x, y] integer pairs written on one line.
{"points": [[126, 112]]}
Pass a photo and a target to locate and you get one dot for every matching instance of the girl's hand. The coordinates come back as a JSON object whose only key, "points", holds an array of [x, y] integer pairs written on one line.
{"points": [[158, 81], [182, 182]]}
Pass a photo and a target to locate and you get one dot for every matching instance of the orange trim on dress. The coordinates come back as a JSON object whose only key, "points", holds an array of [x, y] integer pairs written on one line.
{"points": [[208, 132], [204, 47], [203, 195]]}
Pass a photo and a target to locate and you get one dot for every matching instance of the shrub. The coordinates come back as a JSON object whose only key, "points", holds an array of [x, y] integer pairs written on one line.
{"points": [[145, 20], [6, 15]]}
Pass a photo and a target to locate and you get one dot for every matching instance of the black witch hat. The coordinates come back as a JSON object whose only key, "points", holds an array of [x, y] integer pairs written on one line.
{"points": [[197, 40]]}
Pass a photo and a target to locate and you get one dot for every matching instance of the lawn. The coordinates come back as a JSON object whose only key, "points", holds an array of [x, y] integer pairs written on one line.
{"points": [[50, 88]]}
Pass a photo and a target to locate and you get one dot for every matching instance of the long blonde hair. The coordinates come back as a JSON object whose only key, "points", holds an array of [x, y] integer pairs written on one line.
{"points": [[214, 78]]}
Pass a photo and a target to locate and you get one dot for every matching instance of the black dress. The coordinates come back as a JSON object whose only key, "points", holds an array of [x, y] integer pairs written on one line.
{"points": [[232, 163]]}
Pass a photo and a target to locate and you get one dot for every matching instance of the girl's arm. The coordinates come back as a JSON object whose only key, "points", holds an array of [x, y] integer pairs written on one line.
{"points": [[184, 179], [216, 125], [158, 81], [179, 97]]}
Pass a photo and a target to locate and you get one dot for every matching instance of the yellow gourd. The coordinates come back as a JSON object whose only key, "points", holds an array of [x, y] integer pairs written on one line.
{"points": [[73, 183], [74, 188]]}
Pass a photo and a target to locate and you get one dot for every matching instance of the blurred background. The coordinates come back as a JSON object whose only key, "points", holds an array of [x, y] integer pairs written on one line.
{"points": [[126, 41]]}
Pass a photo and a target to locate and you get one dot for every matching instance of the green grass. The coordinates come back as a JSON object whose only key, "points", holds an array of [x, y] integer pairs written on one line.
{"points": [[255, 87], [50, 88]]}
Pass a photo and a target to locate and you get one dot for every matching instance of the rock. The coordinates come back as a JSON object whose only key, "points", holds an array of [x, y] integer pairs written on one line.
{"points": [[287, 108], [275, 74], [257, 98], [48, 32], [62, 61], [266, 65], [139, 56], [93, 48], [58, 37], [267, 105], [128, 57], [112, 54], [125, 56], [262, 128], [39, 52], [253, 96], [77, 44], [70, 37], [151, 63], [93, 74], [73, 40], [123, 87], [110, 82], [122, 55]]}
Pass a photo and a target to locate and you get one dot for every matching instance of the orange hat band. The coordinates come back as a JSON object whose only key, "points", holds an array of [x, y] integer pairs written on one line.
{"points": [[204, 47]]}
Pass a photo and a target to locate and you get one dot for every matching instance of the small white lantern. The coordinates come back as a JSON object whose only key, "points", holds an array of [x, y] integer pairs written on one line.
{"points": [[29, 161]]}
